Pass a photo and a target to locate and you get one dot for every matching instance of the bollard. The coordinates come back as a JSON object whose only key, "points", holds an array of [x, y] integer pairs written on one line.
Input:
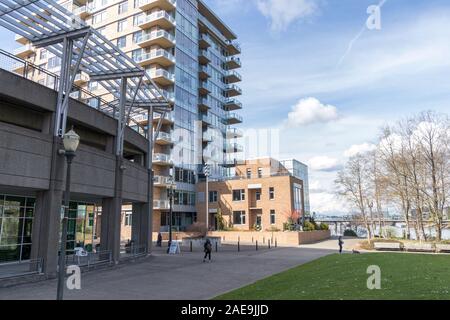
{"points": [[276, 244], [252, 239], [268, 243], [256, 245], [190, 244], [216, 246], [239, 246], [264, 240]]}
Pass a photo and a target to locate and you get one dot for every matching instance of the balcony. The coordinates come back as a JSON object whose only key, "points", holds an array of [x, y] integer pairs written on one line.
{"points": [[164, 139], [233, 91], [162, 159], [234, 133], [161, 38], [83, 12], [164, 182], [203, 72], [206, 120], [161, 76], [232, 63], [168, 5], [207, 137], [204, 88], [80, 79], [232, 77], [159, 56], [232, 104], [233, 118], [161, 204], [203, 104], [204, 57], [233, 147], [233, 47], [158, 18], [204, 41], [20, 39], [168, 118], [24, 51]]}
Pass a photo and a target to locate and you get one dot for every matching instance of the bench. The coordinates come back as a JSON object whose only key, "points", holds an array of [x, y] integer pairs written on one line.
{"points": [[442, 247], [419, 247], [387, 246]]}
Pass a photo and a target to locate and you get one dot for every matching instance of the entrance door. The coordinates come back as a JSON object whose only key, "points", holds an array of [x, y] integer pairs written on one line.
{"points": [[259, 221]]}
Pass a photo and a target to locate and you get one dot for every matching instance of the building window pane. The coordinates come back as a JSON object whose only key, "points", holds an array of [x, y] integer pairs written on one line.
{"points": [[272, 216], [271, 193], [239, 217]]}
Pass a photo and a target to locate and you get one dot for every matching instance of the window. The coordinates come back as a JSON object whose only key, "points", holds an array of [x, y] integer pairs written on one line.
{"points": [[213, 196], [122, 42], [121, 25], [99, 17], [93, 85], [259, 172], [239, 195], [123, 7], [258, 195], [54, 62], [238, 217], [272, 216], [43, 54], [271, 193], [128, 217], [249, 173]]}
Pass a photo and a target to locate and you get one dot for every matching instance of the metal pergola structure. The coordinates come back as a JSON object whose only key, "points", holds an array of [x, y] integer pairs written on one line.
{"points": [[80, 47]]}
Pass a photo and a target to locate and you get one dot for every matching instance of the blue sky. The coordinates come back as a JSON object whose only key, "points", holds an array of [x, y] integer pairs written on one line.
{"points": [[324, 111]]}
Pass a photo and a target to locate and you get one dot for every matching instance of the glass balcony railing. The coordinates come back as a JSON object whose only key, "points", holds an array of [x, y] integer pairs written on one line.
{"points": [[233, 90], [162, 158], [234, 133], [153, 54], [83, 10], [163, 181], [157, 73], [233, 147], [161, 204], [155, 35], [164, 136], [233, 62], [168, 117], [233, 117], [156, 16], [233, 104]]}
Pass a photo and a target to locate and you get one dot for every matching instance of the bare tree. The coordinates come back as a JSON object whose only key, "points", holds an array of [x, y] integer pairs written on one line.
{"points": [[353, 184]]}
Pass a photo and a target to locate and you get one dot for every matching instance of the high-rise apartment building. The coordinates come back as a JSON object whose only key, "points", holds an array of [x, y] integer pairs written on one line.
{"points": [[192, 56]]}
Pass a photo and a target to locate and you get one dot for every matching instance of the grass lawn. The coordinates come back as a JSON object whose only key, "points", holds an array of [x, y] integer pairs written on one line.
{"points": [[344, 277]]}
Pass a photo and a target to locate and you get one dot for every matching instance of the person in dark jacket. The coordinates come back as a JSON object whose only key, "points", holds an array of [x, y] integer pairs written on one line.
{"points": [[159, 241], [341, 243], [208, 248]]}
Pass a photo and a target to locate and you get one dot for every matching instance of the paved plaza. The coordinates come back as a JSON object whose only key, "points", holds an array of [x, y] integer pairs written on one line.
{"points": [[183, 276]]}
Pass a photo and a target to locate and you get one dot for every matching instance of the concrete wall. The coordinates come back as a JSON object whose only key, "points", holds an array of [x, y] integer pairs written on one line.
{"points": [[291, 238]]}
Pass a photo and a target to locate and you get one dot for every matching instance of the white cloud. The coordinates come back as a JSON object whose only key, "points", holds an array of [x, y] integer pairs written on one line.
{"points": [[324, 163], [283, 12], [309, 111], [359, 149]]}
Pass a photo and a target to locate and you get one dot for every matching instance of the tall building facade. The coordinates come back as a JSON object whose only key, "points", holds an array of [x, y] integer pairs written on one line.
{"points": [[192, 56]]}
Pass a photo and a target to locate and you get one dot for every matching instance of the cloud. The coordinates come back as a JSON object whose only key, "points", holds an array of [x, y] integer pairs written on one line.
{"points": [[283, 12], [324, 163], [359, 148], [309, 111]]}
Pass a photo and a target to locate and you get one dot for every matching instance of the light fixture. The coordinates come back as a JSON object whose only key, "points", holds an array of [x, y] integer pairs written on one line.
{"points": [[71, 140]]}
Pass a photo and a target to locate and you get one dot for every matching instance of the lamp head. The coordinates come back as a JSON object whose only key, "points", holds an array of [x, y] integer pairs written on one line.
{"points": [[71, 140]]}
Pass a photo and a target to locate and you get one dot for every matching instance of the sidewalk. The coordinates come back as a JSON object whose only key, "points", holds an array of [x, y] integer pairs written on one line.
{"points": [[182, 276]]}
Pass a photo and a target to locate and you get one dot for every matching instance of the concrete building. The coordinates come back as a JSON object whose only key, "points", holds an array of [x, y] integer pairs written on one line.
{"points": [[32, 177], [262, 196], [192, 56]]}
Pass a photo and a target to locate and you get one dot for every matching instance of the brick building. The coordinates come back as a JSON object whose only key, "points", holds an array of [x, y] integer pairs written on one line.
{"points": [[263, 195]]}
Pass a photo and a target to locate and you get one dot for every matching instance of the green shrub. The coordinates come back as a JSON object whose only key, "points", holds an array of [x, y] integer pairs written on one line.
{"points": [[323, 226], [350, 233], [309, 226]]}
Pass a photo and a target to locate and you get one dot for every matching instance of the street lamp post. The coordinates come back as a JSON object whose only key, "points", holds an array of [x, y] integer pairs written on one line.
{"points": [[170, 214], [207, 172], [70, 141]]}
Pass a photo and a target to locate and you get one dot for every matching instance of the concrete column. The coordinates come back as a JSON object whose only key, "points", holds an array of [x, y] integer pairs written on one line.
{"points": [[141, 231], [111, 216], [47, 215]]}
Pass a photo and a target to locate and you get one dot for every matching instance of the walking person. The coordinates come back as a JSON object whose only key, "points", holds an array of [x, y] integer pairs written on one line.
{"points": [[341, 243], [208, 249]]}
